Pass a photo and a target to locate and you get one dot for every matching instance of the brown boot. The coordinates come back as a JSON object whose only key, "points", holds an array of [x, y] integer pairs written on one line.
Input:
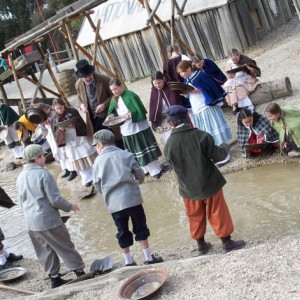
{"points": [[230, 245], [203, 247]]}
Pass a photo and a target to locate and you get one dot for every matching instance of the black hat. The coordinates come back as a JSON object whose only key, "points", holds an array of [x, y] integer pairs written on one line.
{"points": [[84, 68], [176, 112]]}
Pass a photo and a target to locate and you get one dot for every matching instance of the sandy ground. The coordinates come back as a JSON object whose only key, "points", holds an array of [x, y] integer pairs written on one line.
{"points": [[264, 269]]}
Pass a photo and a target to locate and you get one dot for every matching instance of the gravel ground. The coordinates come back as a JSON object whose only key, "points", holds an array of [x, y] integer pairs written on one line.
{"points": [[264, 269]]}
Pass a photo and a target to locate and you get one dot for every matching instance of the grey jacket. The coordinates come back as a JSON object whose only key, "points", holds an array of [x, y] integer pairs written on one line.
{"points": [[40, 198], [114, 171]]}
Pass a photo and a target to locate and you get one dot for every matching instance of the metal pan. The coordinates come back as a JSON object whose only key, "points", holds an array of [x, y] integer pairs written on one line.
{"points": [[239, 69], [66, 123], [115, 121], [12, 274]]}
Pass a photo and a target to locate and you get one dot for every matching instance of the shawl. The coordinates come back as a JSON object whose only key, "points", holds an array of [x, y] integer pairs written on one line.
{"points": [[169, 69], [261, 125], [156, 101], [212, 92], [69, 113], [291, 121], [214, 71], [133, 103], [245, 60], [8, 115]]}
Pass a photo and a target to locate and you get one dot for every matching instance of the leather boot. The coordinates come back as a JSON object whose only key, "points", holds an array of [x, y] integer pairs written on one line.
{"points": [[58, 281], [65, 174], [13, 258], [79, 273], [73, 174], [203, 247], [230, 245]]}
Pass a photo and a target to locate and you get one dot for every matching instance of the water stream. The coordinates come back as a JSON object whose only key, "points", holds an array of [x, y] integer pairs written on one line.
{"points": [[264, 202]]}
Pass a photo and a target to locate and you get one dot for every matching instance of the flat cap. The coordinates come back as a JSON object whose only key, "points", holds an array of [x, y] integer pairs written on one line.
{"points": [[33, 151], [176, 112], [104, 136]]}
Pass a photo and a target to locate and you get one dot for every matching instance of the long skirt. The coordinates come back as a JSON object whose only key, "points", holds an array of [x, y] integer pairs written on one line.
{"points": [[143, 146], [212, 120]]}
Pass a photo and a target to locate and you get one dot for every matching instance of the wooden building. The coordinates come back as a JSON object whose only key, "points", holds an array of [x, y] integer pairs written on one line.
{"points": [[216, 27]]}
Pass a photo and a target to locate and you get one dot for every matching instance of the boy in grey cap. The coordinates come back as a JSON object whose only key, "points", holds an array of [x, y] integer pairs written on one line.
{"points": [[40, 201], [116, 174]]}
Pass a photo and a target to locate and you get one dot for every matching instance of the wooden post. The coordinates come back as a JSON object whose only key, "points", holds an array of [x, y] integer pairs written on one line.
{"points": [[96, 42], [72, 42], [178, 38], [59, 89], [190, 34], [3, 93], [38, 85], [12, 65], [172, 21], [155, 32], [89, 56], [68, 50], [107, 53], [21, 75], [296, 4]]}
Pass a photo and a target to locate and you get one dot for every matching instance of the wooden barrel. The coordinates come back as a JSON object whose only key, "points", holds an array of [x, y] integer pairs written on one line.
{"points": [[268, 91], [67, 80]]}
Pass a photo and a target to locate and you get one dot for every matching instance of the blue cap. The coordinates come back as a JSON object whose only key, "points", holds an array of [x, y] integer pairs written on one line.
{"points": [[176, 112]]}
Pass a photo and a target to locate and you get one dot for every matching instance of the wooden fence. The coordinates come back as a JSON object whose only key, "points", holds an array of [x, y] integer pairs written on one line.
{"points": [[239, 24]]}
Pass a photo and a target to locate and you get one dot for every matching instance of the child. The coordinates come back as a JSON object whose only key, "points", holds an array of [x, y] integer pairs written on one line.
{"points": [[137, 135], [254, 128], [200, 182], [77, 145], [116, 174], [206, 99], [161, 98], [208, 66], [239, 85], [59, 153], [286, 121]]}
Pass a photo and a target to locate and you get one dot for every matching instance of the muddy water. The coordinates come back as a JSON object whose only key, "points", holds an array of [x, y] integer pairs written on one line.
{"points": [[264, 202]]}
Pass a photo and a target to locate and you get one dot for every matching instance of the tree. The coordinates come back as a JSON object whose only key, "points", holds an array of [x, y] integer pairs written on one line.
{"points": [[19, 16]]}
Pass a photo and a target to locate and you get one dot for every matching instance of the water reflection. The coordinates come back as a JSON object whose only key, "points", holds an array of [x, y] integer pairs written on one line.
{"points": [[264, 202]]}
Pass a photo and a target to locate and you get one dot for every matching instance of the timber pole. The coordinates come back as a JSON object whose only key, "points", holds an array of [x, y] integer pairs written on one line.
{"points": [[89, 56], [167, 28], [155, 32], [107, 53], [21, 75], [11, 63], [59, 89], [96, 41], [190, 34], [72, 42]]}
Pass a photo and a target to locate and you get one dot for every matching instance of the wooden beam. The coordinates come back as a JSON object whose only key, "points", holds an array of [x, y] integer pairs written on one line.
{"points": [[13, 69], [59, 89], [35, 82], [172, 21], [96, 42], [178, 38], [80, 15], [3, 93], [190, 34], [89, 56], [72, 42], [107, 53], [155, 32]]}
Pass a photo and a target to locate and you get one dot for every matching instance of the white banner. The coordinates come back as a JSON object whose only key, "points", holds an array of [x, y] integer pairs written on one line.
{"points": [[119, 17]]}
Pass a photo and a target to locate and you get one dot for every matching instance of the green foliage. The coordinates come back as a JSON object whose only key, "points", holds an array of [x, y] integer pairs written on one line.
{"points": [[19, 16]]}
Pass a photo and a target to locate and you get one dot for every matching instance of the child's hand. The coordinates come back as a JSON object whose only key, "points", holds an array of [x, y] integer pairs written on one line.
{"points": [[75, 208], [195, 91]]}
